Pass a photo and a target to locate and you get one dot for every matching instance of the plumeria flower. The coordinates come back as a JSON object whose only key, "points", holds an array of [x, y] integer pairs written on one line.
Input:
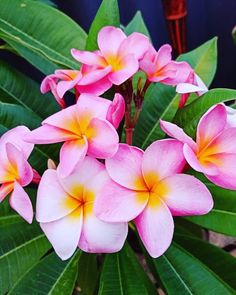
{"points": [[214, 152], [159, 66], [15, 171], [65, 211], [193, 84], [148, 187], [85, 128], [231, 116], [87, 80], [117, 54]]}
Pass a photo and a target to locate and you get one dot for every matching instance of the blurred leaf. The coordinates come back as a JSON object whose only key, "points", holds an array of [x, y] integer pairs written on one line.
{"points": [[189, 116], [234, 34], [21, 246], [50, 276], [123, 275], [25, 92], [161, 101], [41, 34], [219, 261], [137, 24], [107, 15], [181, 273]]}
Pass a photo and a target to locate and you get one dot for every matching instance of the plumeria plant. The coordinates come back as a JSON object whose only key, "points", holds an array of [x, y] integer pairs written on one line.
{"points": [[112, 176]]}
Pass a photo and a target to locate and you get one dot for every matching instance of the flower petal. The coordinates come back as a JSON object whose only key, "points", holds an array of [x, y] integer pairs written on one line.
{"points": [[53, 202], [163, 55], [96, 88], [125, 167], [116, 110], [225, 142], [5, 189], [20, 202], [116, 203], [87, 57], [161, 159], [64, 86], [64, 234], [185, 195], [102, 139], [155, 227]]}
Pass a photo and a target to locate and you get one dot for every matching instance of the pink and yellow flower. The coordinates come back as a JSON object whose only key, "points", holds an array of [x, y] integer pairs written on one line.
{"points": [[148, 187], [214, 152], [117, 54], [85, 129], [15, 171], [65, 211]]}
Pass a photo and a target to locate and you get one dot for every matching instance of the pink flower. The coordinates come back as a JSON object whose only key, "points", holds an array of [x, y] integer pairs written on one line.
{"points": [[15, 171], [65, 211], [214, 152], [88, 80], [159, 66], [84, 128], [147, 187], [118, 54], [193, 84]]}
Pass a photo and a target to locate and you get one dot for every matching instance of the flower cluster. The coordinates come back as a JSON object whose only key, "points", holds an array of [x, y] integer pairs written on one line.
{"points": [[100, 185]]}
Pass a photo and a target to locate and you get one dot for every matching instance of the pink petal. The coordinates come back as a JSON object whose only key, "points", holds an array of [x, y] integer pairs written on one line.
{"points": [[129, 66], [116, 203], [87, 57], [101, 237], [102, 139], [53, 202], [71, 154], [5, 189], [109, 40], [179, 72], [231, 117], [136, 44], [64, 86], [155, 227], [64, 234], [116, 110], [211, 125], [96, 88], [20, 202], [185, 195], [88, 169], [225, 142], [161, 159], [125, 167], [92, 75], [163, 55]]}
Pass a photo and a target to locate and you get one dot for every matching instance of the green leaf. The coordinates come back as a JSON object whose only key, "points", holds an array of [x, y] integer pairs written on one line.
{"points": [[107, 15], [21, 246], [41, 34], [137, 24], [161, 101], [22, 90], [181, 273], [50, 276], [189, 116], [123, 275], [234, 34], [219, 261]]}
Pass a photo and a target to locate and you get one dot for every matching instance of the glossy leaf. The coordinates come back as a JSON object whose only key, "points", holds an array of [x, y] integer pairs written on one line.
{"points": [[40, 33], [161, 101], [181, 273], [107, 15], [189, 116], [50, 276], [21, 246], [123, 275], [137, 24]]}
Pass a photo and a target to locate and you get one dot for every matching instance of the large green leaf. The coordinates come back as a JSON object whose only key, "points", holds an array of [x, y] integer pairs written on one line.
{"points": [[123, 275], [50, 276], [41, 34], [21, 246], [181, 273], [107, 15], [137, 24], [161, 101], [219, 261], [22, 90], [189, 116]]}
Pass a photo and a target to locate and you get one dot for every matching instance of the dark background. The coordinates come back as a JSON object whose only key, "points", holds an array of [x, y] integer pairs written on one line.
{"points": [[205, 19]]}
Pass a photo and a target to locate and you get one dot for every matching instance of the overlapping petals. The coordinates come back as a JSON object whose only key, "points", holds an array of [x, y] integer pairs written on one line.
{"points": [[66, 215], [15, 171], [148, 187], [214, 152]]}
